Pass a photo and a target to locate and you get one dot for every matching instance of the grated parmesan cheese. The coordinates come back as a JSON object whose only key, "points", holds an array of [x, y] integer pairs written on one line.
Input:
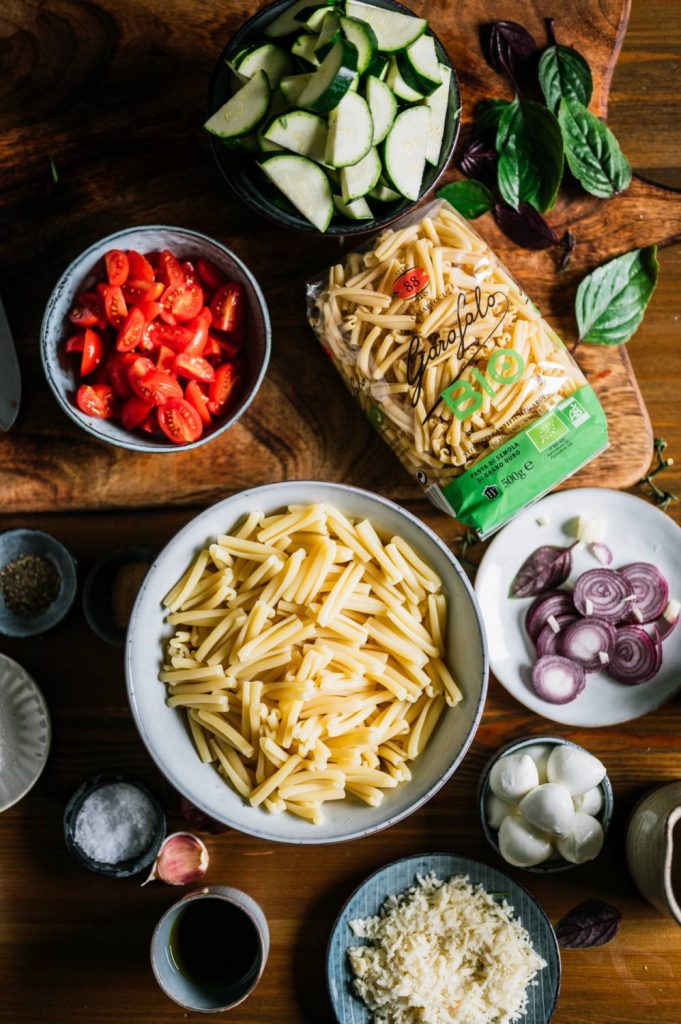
{"points": [[444, 953]]}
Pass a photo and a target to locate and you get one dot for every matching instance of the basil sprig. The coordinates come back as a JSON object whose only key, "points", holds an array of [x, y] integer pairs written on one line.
{"points": [[592, 151], [530, 149], [611, 301], [471, 198], [564, 74]]}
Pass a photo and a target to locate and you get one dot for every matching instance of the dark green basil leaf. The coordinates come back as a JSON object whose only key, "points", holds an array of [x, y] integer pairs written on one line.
{"points": [[487, 116], [564, 74], [592, 151], [530, 149], [471, 198], [611, 301]]}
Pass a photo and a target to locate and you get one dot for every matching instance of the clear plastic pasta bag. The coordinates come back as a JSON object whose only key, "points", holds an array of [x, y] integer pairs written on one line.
{"points": [[456, 368]]}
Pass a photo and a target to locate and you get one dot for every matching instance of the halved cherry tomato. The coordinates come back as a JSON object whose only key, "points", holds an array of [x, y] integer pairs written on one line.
{"points": [[182, 301], [149, 309], [209, 274], [93, 350], [174, 335], [134, 411], [227, 307], [140, 267], [88, 311], [169, 270], [114, 304], [96, 400], [131, 331], [117, 267], [118, 373], [180, 421], [152, 385], [222, 388], [165, 358], [150, 424], [137, 289], [194, 368], [75, 343], [196, 397], [199, 328], [189, 271]]}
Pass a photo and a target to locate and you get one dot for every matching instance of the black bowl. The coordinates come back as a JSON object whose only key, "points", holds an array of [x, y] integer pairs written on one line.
{"points": [[250, 183]]}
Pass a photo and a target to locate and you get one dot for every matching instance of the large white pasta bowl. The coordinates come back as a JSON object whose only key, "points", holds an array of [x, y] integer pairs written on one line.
{"points": [[164, 730]]}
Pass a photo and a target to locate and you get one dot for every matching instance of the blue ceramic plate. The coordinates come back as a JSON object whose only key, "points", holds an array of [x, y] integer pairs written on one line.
{"points": [[367, 900]]}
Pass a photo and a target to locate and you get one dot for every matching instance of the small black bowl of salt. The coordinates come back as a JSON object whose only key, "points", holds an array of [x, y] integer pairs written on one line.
{"points": [[114, 826]]}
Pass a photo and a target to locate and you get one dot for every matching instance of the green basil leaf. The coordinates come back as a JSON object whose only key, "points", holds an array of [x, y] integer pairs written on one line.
{"points": [[487, 116], [530, 149], [564, 74], [471, 198], [611, 301], [593, 153]]}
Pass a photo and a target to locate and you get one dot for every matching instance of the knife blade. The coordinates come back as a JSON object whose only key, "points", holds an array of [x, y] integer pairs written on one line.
{"points": [[10, 376]]}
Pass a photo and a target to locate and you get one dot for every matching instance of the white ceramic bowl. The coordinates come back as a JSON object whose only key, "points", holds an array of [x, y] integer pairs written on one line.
{"points": [[164, 731]]}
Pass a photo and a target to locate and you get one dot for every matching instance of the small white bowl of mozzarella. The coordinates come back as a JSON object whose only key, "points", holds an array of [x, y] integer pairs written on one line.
{"points": [[306, 662], [545, 804]]}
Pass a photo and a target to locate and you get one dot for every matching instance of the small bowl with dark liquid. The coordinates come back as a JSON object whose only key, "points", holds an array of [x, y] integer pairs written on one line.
{"points": [[209, 949]]}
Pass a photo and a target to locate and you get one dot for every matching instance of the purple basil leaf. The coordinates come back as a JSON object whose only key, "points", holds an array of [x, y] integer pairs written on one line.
{"points": [[510, 49], [592, 923], [479, 160], [525, 226], [545, 569], [568, 242], [198, 820]]}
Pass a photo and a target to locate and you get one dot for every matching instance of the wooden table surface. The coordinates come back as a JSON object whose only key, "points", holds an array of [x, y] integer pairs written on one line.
{"points": [[73, 947]]}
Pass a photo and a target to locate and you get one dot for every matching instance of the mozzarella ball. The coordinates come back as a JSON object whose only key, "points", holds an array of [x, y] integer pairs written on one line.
{"points": [[521, 845], [575, 769], [590, 802], [584, 842], [549, 808], [496, 810], [540, 755], [513, 776]]}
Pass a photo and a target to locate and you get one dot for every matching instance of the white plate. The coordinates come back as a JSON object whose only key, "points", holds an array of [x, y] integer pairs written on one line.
{"points": [[24, 732], [635, 531]]}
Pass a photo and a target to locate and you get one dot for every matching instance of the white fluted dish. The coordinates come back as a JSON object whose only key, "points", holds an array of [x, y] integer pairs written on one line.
{"points": [[24, 732]]}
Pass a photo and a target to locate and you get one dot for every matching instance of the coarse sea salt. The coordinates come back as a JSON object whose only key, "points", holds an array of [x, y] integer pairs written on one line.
{"points": [[115, 822]]}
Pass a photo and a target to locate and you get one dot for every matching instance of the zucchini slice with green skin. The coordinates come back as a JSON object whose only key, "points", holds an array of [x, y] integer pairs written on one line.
{"points": [[361, 177], [292, 86], [404, 150], [286, 24], [419, 66], [383, 107], [304, 47], [312, 16], [364, 38], [299, 131], [394, 31], [438, 104], [398, 85], [351, 131], [331, 81], [304, 184], [358, 209], [270, 58], [384, 194], [379, 67], [329, 34], [244, 112]]}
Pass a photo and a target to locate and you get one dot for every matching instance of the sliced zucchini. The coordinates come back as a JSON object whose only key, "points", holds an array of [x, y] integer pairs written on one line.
{"points": [[359, 209], [329, 34], [304, 184], [383, 107], [244, 112], [304, 47], [299, 131], [331, 81], [286, 23], [394, 31], [404, 153], [379, 67], [398, 85], [364, 38], [351, 131], [419, 66], [438, 104], [361, 177], [269, 58], [312, 16], [292, 86], [382, 193]]}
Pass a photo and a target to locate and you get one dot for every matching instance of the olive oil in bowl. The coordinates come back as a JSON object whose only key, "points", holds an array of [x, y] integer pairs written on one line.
{"points": [[215, 945]]}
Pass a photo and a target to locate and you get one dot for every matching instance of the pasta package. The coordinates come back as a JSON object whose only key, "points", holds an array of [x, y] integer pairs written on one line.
{"points": [[456, 368]]}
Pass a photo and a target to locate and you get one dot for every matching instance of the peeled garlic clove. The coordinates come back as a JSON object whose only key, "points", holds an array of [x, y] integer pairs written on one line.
{"points": [[584, 842], [521, 845], [513, 776], [496, 810], [575, 769], [182, 859], [540, 756], [549, 808], [590, 802]]}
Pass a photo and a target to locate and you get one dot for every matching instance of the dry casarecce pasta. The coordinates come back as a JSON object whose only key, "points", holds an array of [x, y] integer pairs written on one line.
{"points": [[309, 655]]}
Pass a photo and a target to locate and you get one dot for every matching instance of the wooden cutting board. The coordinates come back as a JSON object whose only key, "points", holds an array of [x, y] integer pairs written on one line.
{"points": [[121, 122]]}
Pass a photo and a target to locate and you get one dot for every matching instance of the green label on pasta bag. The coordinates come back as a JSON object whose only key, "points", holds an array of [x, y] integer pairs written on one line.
{"points": [[529, 464]]}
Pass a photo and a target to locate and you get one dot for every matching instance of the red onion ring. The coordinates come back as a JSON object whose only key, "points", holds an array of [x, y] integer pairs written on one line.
{"points": [[637, 657], [606, 592]]}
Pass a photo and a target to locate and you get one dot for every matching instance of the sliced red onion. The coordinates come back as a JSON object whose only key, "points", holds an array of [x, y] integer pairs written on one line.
{"points": [[545, 569], [649, 586], [601, 552], [556, 602], [603, 593], [548, 639], [558, 680], [637, 656], [586, 639]]}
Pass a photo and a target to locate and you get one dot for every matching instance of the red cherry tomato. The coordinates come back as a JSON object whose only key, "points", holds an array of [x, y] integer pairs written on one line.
{"points": [[227, 307], [131, 331], [222, 388], [149, 309], [114, 304], [93, 350], [180, 421], [196, 397], [74, 343], [199, 335], [169, 270], [88, 311], [96, 400], [137, 289], [194, 368], [150, 424], [175, 336], [182, 301], [134, 411], [165, 358], [140, 267], [189, 271], [118, 373], [117, 267], [152, 385], [209, 274]]}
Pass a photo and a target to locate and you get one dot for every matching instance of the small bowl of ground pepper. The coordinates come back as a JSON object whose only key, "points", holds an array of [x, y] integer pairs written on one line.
{"points": [[38, 582]]}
